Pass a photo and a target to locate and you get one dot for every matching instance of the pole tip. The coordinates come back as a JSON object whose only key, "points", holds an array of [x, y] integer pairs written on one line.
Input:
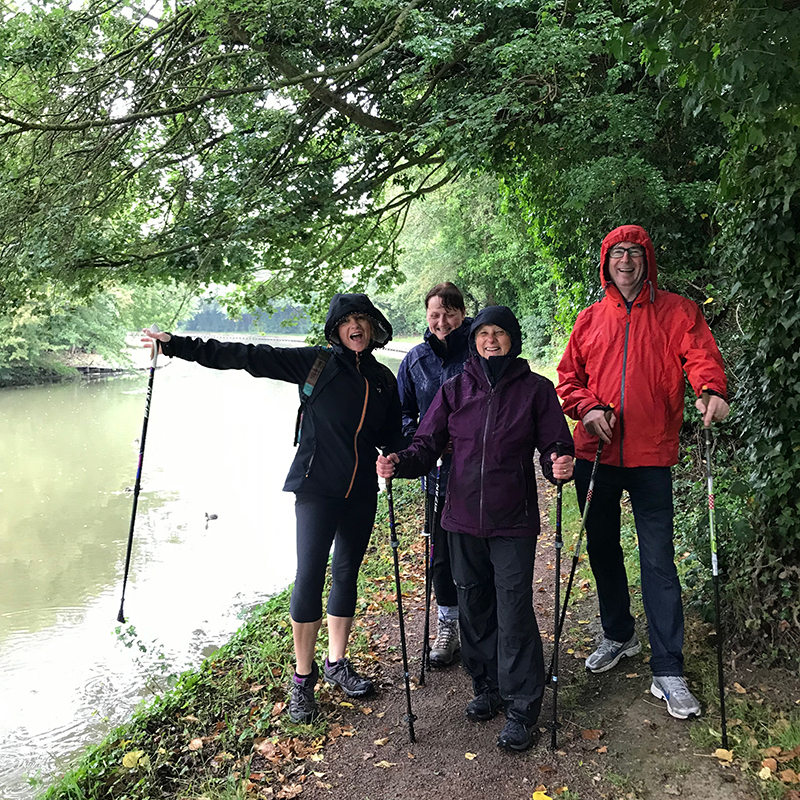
{"points": [[121, 616]]}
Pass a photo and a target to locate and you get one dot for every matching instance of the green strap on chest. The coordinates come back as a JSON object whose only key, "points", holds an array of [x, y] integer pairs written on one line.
{"points": [[308, 387]]}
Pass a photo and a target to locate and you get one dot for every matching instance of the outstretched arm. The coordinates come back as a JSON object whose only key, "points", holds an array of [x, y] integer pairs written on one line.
{"points": [[290, 364]]}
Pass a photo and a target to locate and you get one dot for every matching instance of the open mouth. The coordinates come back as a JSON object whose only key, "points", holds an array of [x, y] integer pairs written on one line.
{"points": [[358, 336]]}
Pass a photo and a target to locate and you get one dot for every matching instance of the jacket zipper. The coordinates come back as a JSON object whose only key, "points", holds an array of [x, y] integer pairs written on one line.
{"points": [[622, 389], [483, 450], [360, 425]]}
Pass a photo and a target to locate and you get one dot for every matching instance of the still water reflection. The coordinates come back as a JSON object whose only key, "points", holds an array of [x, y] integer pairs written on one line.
{"points": [[218, 443]]}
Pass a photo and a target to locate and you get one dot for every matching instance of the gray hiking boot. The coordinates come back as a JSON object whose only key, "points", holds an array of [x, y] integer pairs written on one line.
{"points": [[446, 644], [681, 703], [610, 652], [342, 674], [302, 705]]}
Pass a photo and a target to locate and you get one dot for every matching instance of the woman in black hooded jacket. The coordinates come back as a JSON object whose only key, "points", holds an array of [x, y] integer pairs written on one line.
{"points": [[352, 409]]}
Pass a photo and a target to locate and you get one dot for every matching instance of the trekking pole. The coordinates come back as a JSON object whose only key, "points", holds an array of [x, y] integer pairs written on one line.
{"points": [[137, 485], [393, 534], [557, 604], [426, 532], [715, 576], [431, 522], [577, 555]]}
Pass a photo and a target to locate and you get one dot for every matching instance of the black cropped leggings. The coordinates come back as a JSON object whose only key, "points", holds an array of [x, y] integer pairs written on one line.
{"points": [[321, 522]]}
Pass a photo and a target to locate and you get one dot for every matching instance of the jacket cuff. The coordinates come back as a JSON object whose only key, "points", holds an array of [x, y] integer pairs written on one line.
{"points": [[168, 348], [714, 393]]}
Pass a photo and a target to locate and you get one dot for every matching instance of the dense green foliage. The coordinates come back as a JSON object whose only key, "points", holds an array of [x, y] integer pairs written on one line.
{"points": [[33, 339], [741, 61], [232, 143]]}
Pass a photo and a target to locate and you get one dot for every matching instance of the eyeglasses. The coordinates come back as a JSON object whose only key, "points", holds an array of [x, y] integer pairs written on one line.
{"points": [[633, 252]]}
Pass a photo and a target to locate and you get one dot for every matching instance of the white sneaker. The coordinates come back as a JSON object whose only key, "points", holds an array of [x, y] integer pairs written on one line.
{"points": [[681, 703], [610, 652]]}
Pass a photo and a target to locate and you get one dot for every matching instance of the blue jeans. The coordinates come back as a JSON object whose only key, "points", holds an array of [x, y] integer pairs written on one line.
{"points": [[650, 490]]}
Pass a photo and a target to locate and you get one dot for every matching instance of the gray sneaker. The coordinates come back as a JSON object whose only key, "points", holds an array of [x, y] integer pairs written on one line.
{"points": [[681, 703], [303, 706], [610, 652], [447, 643]]}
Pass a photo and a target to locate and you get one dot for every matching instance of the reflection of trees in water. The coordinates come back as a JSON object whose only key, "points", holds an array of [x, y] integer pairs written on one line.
{"points": [[65, 511]]}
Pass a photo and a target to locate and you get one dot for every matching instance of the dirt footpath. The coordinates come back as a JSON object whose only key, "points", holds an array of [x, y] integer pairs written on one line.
{"points": [[615, 741]]}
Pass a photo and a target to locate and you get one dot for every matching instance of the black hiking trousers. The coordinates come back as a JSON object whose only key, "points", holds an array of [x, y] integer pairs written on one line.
{"points": [[444, 587], [500, 643]]}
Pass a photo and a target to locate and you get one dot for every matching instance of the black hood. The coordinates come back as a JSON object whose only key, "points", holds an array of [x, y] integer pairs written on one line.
{"points": [[504, 318], [342, 305]]}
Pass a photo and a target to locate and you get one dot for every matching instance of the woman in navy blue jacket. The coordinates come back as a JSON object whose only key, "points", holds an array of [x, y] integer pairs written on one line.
{"points": [[353, 409], [425, 368]]}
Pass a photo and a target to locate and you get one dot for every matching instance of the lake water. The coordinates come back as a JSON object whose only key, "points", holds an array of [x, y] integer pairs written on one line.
{"points": [[218, 443]]}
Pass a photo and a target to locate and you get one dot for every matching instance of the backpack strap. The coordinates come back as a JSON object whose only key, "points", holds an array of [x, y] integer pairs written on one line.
{"points": [[308, 387]]}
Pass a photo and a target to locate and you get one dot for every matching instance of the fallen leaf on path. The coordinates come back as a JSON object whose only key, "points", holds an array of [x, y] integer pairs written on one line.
{"points": [[739, 689], [196, 744], [770, 763], [771, 752], [470, 756], [790, 754], [789, 776], [602, 749], [540, 788], [317, 757], [724, 755], [292, 790], [792, 794], [541, 796], [381, 714], [410, 755], [591, 734], [257, 687], [277, 708], [189, 718], [367, 756], [381, 742], [632, 675], [346, 704], [133, 759], [385, 764], [366, 710], [765, 773]]}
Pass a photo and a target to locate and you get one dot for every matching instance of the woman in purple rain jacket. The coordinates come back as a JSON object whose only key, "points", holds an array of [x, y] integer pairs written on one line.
{"points": [[497, 414]]}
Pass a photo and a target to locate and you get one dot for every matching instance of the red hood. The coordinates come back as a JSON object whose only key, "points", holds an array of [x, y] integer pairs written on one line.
{"points": [[637, 235]]}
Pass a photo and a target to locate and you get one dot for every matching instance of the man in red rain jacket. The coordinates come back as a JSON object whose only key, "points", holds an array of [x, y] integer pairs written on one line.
{"points": [[630, 351]]}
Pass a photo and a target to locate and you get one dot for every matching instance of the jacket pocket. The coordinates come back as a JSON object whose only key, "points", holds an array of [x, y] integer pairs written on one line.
{"points": [[310, 462], [525, 487]]}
